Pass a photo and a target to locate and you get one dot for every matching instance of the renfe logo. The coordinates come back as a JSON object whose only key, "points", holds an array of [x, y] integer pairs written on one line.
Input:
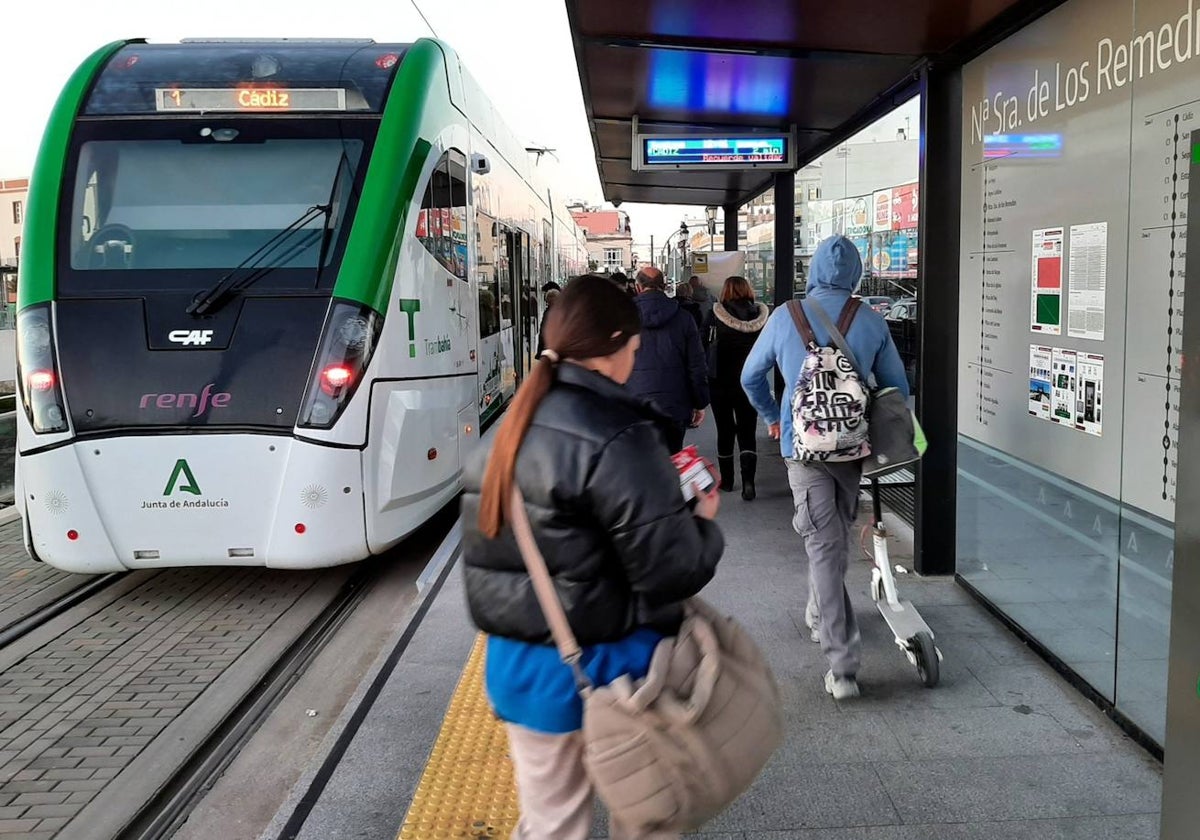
{"points": [[188, 337], [201, 402]]}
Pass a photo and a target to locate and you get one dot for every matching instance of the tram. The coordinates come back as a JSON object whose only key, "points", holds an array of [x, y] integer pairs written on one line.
{"points": [[270, 294]]}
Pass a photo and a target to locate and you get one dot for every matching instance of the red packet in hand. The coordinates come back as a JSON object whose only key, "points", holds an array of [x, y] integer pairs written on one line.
{"points": [[693, 470]]}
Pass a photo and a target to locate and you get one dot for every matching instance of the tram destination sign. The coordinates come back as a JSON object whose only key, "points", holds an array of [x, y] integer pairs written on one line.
{"points": [[762, 151], [256, 99]]}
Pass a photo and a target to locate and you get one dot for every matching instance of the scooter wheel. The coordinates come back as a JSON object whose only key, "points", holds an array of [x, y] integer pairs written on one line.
{"points": [[927, 658]]}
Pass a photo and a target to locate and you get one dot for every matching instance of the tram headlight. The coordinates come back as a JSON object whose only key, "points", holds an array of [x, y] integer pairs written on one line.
{"points": [[347, 343], [37, 371]]}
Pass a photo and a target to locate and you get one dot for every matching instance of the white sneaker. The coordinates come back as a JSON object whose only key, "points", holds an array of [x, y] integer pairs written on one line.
{"points": [[811, 623], [842, 688]]}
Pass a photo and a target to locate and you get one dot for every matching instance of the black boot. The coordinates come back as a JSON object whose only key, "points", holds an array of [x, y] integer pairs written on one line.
{"points": [[749, 464], [725, 466]]}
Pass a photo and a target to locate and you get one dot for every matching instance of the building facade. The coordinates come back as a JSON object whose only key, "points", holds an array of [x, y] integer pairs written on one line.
{"points": [[13, 199], [609, 239]]}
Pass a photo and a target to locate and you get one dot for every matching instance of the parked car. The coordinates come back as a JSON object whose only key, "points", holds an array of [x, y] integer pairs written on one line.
{"points": [[903, 311], [879, 303]]}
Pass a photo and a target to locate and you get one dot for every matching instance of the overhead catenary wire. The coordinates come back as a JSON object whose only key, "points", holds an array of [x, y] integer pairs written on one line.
{"points": [[427, 23]]}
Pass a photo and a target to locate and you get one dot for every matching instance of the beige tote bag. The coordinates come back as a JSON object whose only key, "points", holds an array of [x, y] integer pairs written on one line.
{"points": [[672, 750]]}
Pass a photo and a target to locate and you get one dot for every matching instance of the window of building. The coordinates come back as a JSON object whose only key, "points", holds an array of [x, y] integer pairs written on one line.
{"points": [[18, 212], [612, 258], [17, 247]]}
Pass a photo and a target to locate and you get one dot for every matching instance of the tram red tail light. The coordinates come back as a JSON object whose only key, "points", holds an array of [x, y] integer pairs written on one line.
{"points": [[37, 377], [347, 344], [334, 378], [41, 380]]}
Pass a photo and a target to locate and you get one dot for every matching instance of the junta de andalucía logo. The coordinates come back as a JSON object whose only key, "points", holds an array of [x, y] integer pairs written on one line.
{"points": [[183, 480]]}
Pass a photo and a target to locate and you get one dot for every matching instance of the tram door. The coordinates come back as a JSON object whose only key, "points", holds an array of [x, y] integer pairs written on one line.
{"points": [[524, 301]]}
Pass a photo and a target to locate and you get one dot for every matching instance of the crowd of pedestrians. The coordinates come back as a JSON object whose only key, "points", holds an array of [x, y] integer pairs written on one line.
{"points": [[620, 380]]}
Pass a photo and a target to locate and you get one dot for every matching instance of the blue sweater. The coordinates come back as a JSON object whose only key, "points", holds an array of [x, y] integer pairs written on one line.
{"points": [[834, 274], [530, 686]]}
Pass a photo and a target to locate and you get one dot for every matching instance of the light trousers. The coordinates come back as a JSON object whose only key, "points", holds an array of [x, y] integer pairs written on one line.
{"points": [[554, 792], [825, 496]]}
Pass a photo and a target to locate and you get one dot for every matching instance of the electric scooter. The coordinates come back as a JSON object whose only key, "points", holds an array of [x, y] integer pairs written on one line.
{"points": [[913, 636]]}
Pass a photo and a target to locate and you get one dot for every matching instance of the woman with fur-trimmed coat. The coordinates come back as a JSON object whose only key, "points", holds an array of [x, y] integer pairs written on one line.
{"points": [[730, 330]]}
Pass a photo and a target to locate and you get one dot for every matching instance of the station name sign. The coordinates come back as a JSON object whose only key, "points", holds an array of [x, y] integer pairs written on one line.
{"points": [[257, 99], [754, 151]]}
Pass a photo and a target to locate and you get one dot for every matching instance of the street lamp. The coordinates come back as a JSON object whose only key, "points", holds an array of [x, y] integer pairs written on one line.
{"points": [[683, 243], [711, 213]]}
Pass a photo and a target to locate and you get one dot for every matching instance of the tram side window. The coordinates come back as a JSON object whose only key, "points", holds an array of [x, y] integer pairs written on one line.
{"points": [[442, 223], [487, 238], [504, 281]]}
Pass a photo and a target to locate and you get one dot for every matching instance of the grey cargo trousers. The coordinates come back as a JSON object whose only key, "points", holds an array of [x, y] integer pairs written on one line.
{"points": [[825, 496]]}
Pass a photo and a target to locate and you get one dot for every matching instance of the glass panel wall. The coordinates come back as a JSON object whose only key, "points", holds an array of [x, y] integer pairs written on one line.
{"points": [[866, 189], [1075, 185]]}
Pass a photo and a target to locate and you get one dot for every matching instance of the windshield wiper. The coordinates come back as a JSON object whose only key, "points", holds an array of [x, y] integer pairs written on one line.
{"points": [[209, 299], [331, 217]]}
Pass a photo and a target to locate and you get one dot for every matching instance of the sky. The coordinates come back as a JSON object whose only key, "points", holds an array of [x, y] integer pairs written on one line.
{"points": [[524, 61]]}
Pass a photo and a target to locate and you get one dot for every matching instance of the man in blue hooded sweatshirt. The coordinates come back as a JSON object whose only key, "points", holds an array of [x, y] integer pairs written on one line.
{"points": [[825, 494]]}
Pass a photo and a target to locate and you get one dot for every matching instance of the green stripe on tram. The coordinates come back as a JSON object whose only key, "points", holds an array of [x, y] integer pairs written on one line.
{"points": [[37, 269], [393, 174]]}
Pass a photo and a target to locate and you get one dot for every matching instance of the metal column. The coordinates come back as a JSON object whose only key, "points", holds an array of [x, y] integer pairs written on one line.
{"points": [[1181, 806], [785, 243], [937, 326], [730, 212]]}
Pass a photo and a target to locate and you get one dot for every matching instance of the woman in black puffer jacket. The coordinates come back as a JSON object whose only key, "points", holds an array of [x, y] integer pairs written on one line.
{"points": [[622, 546], [730, 330]]}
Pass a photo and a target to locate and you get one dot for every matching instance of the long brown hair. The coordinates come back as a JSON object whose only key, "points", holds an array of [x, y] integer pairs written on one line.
{"points": [[736, 288], [593, 317]]}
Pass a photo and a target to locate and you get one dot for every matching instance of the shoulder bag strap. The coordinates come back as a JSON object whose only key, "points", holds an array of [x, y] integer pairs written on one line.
{"points": [[543, 587], [839, 340], [802, 326]]}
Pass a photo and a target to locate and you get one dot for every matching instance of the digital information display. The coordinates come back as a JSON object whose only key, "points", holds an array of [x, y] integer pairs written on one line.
{"points": [[760, 152], [206, 100]]}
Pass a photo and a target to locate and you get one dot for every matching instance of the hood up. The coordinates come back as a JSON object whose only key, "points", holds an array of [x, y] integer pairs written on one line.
{"points": [[835, 265]]}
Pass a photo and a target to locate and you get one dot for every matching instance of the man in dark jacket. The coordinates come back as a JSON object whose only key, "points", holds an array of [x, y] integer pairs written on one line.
{"points": [[669, 369]]}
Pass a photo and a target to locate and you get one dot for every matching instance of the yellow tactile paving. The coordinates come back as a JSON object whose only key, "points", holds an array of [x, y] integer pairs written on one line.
{"points": [[467, 789]]}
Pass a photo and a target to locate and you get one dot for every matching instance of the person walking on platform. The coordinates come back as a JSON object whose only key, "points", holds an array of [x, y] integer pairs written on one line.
{"points": [[825, 494], [683, 295], [621, 545], [550, 293], [669, 369], [701, 295], [729, 332]]}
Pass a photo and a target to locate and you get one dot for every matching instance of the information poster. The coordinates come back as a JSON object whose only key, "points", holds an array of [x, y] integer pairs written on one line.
{"points": [[1040, 360], [1046, 296], [1062, 385], [1089, 387], [1087, 278]]}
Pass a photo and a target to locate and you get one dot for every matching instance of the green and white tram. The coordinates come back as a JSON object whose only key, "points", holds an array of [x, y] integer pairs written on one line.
{"points": [[270, 294]]}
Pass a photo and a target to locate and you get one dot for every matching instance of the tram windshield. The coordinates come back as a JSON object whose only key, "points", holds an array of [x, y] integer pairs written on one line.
{"points": [[167, 212]]}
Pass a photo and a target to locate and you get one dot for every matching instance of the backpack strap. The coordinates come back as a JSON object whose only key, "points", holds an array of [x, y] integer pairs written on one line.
{"points": [[801, 321], [848, 313]]}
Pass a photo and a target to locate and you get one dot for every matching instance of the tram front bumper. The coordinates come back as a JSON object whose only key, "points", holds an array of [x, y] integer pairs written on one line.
{"points": [[194, 500]]}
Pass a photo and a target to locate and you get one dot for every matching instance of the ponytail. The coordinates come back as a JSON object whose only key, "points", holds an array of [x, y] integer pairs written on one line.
{"points": [[591, 318]]}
